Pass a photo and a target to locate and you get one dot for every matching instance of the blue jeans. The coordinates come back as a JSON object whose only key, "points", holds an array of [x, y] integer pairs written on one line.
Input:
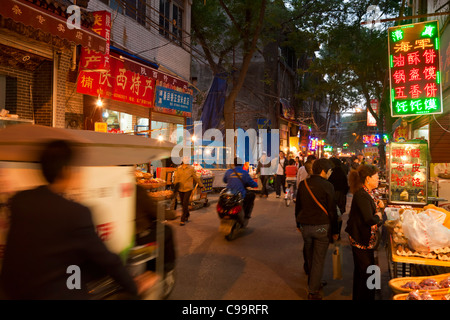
{"points": [[316, 242]]}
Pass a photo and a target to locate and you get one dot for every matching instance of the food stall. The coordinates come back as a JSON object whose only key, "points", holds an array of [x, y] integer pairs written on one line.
{"points": [[418, 232], [104, 179], [199, 197]]}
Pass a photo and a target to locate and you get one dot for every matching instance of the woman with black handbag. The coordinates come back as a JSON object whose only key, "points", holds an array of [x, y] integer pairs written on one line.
{"points": [[362, 227]]}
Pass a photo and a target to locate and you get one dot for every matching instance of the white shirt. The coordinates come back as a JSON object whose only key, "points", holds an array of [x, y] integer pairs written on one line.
{"points": [[280, 170], [302, 174]]}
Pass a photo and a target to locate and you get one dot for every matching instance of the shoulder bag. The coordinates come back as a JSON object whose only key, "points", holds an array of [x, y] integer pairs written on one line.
{"points": [[312, 195]]}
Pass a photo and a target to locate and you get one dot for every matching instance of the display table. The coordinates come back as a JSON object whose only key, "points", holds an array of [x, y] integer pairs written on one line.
{"points": [[399, 266]]}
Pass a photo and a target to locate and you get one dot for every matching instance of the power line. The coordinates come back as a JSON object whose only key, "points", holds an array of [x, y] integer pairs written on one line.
{"points": [[407, 18]]}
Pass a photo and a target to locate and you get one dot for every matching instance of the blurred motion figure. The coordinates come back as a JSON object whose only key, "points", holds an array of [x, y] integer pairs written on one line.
{"points": [[50, 233]]}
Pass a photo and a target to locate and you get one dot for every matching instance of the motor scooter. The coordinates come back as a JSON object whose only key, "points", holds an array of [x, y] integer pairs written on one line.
{"points": [[231, 213]]}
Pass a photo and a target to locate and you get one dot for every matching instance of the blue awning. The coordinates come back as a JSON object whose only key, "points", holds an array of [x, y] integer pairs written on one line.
{"points": [[134, 57]]}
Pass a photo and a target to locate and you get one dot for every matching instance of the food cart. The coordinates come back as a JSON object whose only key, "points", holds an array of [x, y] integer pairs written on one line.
{"points": [[410, 213], [199, 197], [104, 180]]}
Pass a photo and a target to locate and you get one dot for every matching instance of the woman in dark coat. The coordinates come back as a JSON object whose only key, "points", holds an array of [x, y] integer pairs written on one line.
{"points": [[362, 227], [339, 181]]}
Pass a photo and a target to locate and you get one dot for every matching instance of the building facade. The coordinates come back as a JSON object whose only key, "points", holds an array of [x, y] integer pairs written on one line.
{"points": [[42, 63]]}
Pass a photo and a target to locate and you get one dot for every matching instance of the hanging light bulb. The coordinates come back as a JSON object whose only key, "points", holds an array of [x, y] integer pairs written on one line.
{"points": [[160, 137], [99, 102]]}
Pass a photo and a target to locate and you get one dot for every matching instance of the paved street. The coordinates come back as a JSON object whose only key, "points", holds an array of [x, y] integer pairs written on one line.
{"points": [[263, 263]]}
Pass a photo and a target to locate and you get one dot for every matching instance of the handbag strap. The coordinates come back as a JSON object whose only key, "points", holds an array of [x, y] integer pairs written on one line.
{"points": [[312, 195]]}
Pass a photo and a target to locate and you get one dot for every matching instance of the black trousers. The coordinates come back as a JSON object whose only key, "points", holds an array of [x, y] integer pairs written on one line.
{"points": [[249, 201], [280, 181], [264, 180], [184, 197], [362, 259]]}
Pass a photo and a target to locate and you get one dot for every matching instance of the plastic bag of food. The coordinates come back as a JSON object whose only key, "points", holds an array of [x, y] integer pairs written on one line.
{"points": [[437, 215], [424, 233]]}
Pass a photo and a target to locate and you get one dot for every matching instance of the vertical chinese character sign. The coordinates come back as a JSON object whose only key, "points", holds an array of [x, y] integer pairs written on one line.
{"points": [[414, 69], [408, 172]]}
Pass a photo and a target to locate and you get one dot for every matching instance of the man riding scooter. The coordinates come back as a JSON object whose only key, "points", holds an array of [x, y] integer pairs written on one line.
{"points": [[237, 180]]}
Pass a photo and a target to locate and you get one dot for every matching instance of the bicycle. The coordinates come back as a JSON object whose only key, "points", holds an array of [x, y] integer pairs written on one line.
{"points": [[290, 192]]}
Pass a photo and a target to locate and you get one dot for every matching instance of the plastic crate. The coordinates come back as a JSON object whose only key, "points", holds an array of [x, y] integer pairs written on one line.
{"points": [[208, 184]]}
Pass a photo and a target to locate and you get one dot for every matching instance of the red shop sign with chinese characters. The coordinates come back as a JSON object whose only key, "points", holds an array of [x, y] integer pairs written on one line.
{"points": [[92, 59], [408, 171], [414, 69], [112, 76], [108, 77], [118, 84]]}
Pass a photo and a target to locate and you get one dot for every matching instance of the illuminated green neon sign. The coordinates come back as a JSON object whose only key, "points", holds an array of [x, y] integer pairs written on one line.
{"points": [[414, 69]]}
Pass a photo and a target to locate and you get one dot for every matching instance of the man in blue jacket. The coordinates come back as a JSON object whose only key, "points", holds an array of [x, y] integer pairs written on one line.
{"points": [[237, 179]]}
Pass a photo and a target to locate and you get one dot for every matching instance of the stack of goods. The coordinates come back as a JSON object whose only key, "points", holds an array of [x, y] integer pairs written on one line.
{"points": [[147, 181], [165, 194], [422, 288], [422, 233], [202, 173], [415, 295], [427, 284]]}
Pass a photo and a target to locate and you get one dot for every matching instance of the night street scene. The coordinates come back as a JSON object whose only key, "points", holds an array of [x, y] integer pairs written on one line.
{"points": [[224, 158]]}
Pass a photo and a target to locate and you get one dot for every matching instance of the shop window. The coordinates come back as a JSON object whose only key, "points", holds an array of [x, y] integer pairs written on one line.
{"points": [[166, 132], [422, 133], [135, 9], [142, 125], [118, 122], [164, 18], [171, 20], [160, 130], [116, 5], [177, 20]]}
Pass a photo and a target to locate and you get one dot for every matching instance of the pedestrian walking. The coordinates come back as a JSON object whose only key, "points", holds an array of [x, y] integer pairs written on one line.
{"points": [[185, 176], [298, 163], [306, 170], [280, 175], [339, 181], [354, 162], [316, 218], [362, 227], [263, 169]]}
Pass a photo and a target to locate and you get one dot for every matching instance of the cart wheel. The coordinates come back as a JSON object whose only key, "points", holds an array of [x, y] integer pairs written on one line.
{"points": [[169, 284], [207, 204]]}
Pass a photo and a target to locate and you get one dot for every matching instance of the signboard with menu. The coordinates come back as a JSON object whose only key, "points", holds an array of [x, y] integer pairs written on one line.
{"points": [[414, 69], [408, 172]]}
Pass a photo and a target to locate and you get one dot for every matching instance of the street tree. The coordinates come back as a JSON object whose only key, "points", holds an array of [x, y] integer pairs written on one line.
{"points": [[228, 31], [353, 57]]}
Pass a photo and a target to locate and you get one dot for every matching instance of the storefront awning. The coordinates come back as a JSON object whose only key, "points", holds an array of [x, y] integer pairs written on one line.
{"points": [[24, 142], [31, 15]]}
